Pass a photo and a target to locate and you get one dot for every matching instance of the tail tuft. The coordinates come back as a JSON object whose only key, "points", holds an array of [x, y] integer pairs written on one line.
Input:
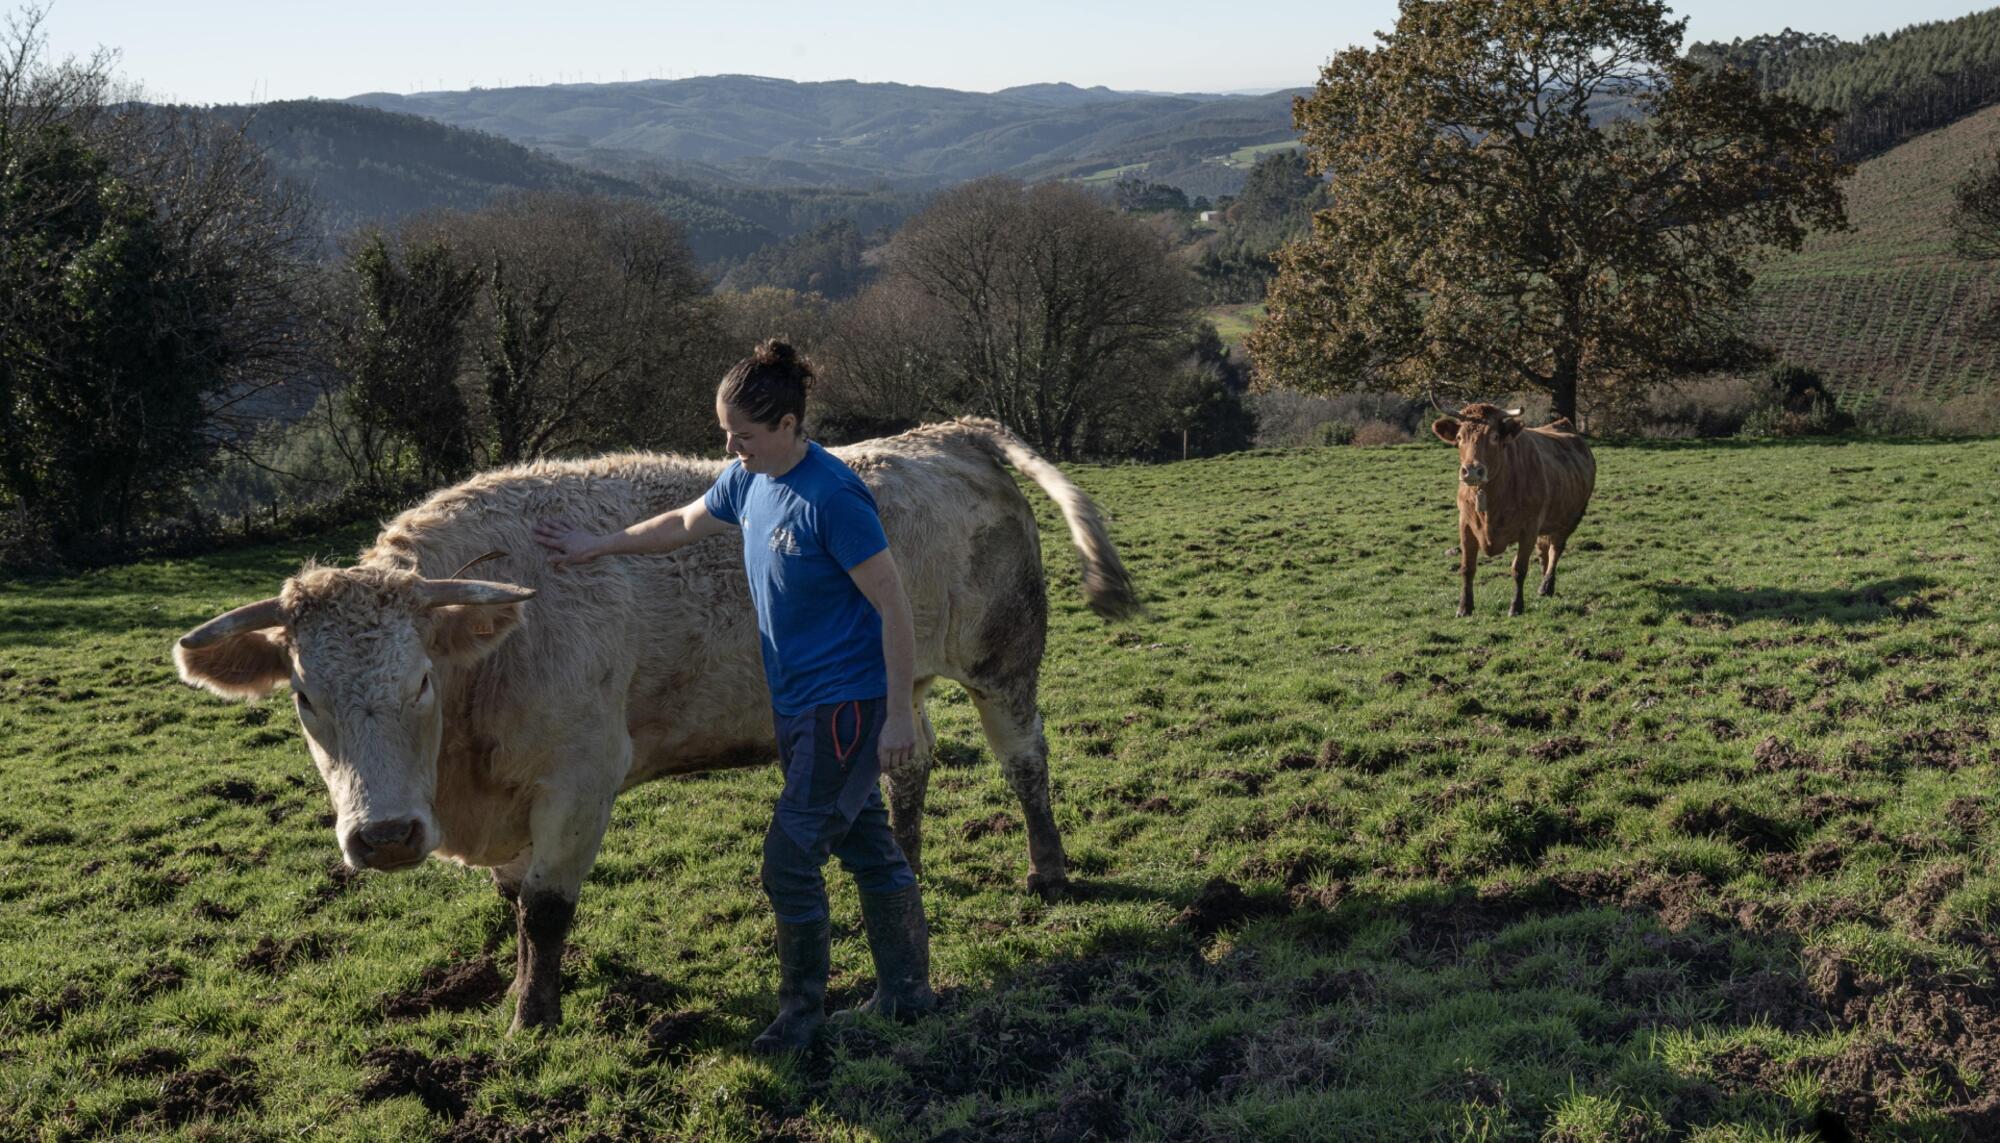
{"points": [[1107, 586]]}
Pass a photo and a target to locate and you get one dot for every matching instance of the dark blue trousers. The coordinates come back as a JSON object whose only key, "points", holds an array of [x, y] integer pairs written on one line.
{"points": [[831, 806]]}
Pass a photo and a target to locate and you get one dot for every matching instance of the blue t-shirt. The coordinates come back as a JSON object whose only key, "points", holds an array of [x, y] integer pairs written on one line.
{"points": [[802, 533]]}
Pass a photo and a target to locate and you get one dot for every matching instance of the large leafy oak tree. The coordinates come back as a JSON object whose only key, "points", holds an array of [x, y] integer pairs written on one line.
{"points": [[1537, 195]]}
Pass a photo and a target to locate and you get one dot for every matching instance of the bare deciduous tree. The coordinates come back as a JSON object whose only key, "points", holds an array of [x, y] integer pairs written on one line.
{"points": [[1044, 304]]}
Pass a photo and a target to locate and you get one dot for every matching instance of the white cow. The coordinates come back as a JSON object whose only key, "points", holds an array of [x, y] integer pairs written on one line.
{"points": [[493, 720]]}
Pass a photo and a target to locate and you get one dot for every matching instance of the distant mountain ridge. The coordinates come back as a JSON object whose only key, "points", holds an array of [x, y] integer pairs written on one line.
{"points": [[845, 132]]}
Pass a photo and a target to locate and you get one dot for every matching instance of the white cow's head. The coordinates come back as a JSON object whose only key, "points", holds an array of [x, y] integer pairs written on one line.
{"points": [[362, 649]]}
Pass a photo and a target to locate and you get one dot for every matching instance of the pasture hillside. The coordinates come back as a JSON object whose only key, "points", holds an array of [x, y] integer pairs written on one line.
{"points": [[1703, 848], [1887, 308]]}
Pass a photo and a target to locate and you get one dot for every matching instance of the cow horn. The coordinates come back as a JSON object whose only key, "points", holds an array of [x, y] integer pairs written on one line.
{"points": [[249, 617], [475, 562], [1513, 412], [460, 592]]}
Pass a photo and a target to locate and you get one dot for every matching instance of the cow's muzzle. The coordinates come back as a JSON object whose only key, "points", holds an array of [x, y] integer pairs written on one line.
{"points": [[1472, 474], [397, 844]]}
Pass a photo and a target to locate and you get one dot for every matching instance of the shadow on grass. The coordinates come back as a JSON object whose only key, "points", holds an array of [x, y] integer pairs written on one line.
{"points": [[1330, 1014], [1870, 603], [1272, 1015]]}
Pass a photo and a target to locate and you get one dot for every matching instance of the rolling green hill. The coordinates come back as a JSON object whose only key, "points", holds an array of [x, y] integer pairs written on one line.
{"points": [[780, 131], [368, 166], [1887, 307]]}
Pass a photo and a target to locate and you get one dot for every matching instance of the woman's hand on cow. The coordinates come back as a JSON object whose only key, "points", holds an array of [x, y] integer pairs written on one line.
{"points": [[897, 743], [567, 543]]}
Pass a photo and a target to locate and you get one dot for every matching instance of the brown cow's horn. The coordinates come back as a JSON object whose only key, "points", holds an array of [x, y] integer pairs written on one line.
{"points": [[1510, 412], [249, 617], [461, 592]]}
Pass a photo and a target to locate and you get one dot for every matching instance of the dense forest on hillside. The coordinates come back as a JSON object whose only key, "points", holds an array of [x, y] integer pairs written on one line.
{"points": [[1889, 88]]}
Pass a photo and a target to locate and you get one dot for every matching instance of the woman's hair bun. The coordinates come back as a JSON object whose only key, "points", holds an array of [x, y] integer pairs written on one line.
{"points": [[774, 352]]}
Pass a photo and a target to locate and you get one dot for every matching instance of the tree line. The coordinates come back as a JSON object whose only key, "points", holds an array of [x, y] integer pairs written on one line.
{"points": [[176, 335], [1886, 88]]}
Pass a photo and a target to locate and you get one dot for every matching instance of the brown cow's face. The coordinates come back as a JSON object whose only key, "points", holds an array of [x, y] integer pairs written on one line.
{"points": [[1482, 447], [362, 649]]}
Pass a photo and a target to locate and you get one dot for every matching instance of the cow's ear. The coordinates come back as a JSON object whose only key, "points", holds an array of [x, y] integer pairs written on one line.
{"points": [[467, 634], [1509, 429], [246, 665], [1446, 429]]}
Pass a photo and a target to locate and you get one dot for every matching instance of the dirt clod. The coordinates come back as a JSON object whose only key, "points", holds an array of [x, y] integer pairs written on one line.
{"points": [[675, 1034], [274, 957], [217, 1092], [238, 791], [993, 826], [452, 987], [445, 1085], [149, 1062], [1220, 904]]}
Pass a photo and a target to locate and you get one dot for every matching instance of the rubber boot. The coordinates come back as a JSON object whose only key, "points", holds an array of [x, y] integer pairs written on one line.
{"points": [[802, 969], [900, 941]]}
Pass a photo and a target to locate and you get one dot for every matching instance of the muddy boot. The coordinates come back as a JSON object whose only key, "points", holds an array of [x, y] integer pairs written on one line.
{"points": [[802, 969], [900, 942]]}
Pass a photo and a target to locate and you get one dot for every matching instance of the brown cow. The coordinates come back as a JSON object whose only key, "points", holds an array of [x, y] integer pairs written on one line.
{"points": [[1514, 487]]}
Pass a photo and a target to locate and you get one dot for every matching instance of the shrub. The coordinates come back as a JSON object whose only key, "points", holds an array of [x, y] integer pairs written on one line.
{"points": [[1371, 434], [1970, 415], [1795, 403]]}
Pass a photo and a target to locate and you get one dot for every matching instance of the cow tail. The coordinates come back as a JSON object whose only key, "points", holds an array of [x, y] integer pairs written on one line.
{"points": [[1107, 587]]}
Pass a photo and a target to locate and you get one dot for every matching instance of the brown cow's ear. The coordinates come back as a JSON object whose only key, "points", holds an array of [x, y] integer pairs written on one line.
{"points": [[1446, 430], [465, 635], [246, 665], [1509, 429]]}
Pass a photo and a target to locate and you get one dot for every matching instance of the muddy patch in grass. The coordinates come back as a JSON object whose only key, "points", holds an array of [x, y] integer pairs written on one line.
{"points": [[274, 957], [1752, 831], [238, 792], [999, 823], [216, 1093], [149, 1062], [633, 997], [454, 987], [677, 1034], [445, 1085], [1222, 904]]}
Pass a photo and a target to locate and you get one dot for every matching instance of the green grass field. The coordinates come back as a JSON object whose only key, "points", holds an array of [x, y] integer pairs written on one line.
{"points": [[1700, 849], [1233, 323], [1243, 158]]}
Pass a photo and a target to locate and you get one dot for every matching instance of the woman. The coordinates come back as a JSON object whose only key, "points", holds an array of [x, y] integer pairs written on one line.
{"points": [[839, 649]]}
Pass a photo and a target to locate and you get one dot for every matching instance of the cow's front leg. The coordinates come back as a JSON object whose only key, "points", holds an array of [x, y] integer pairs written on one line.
{"points": [[907, 784], [507, 882], [567, 824], [1468, 565], [1521, 551]]}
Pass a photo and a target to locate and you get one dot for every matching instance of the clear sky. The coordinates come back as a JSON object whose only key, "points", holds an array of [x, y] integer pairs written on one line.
{"points": [[234, 51]]}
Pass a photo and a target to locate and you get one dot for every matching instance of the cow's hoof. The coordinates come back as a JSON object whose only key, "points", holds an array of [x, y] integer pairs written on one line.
{"points": [[1464, 611], [1049, 889], [1515, 610], [535, 1016], [1545, 590]]}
